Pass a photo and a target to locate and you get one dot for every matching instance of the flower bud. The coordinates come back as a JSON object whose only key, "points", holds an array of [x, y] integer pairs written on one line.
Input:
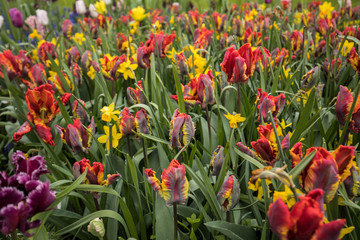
{"points": [[135, 96], [182, 129], [16, 17], [126, 122], [217, 160], [96, 228], [229, 193], [67, 28], [142, 122], [309, 79], [46, 48]]}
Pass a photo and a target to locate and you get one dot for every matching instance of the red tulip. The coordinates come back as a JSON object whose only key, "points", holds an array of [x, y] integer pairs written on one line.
{"points": [[182, 129], [126, 122], [304, 220], [268, 104], [343, 104]]}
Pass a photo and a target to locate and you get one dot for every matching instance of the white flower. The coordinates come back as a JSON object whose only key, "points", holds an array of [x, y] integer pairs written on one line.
{"points": [[92, 10], [1, 21], [42, 17], [80, 7]]}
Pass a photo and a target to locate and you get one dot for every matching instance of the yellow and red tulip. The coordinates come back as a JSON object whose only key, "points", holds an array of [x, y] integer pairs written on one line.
{"points": [[126, 122], [182, 129], [268, 104], [77, 137], [202, 38], [42, 110], [305, 220], [95, 172], [136, 96], [44, 49], [354, 60], [229, 193], [174, 186], [217, 160], [343, 104], [142, 123]]}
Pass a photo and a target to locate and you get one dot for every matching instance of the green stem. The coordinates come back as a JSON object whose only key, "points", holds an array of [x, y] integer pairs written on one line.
{"points": [[175, 221], [209, 126], [239, 98], [228, 216], [128, 143], [277, 138], [145, 154]]}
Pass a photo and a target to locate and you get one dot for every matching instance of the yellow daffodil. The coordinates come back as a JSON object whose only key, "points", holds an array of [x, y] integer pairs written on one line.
{"points": [[79, 38], [34, 54], [258, 187], [100, 7], [91, 73], [287, 196], [297, 17], [171, 54], [127, 68], [138, 14], [35, 34], [234, 119], [326, 9], [346, 48], [108, 113], [115, 137]]}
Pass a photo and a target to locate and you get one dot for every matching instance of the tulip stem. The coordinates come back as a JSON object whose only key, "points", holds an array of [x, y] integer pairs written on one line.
{"points": [[96, 204], [228, 216], [175, 221], [239, 98], [145, 154], [209, 125], [128, 143]]}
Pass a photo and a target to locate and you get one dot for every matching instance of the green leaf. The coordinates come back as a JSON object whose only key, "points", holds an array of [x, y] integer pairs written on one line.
{"points": [[179, 90], [301, 165], [164, 220], [86, 219], [248, 158], [231, 230]]}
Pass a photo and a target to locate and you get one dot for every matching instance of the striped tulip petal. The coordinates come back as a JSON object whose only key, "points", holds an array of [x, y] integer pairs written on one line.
{"points": [[229, 193]]}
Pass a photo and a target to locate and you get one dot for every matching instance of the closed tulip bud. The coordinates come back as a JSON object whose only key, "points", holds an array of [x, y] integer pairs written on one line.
{"points": [[96, 228], [205, 90], [229, 193], [75, 69], [126, 122], [143, 56], [309, 79], [42, 17], [16, 17], [142, 122], [92, 10], [217, 160], [269, 105], [135, 96], [73, 55], [80, 7], [67, 28], [343, 104], [182, 129], [37, 74]]}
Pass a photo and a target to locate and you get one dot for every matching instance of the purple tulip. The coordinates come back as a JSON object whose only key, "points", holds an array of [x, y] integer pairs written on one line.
{"points": [[23, 195], [16, 17], [268, 1]]}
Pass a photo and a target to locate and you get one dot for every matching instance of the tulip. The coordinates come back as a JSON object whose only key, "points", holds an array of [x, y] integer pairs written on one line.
{"points": [[11, 64], [217, 160], [182, 129], [268, 104], [67, 28], [126, 122], [143, 56], [266, 147], [304, 220], [73, 54], [136, 96], [142, 123], [95, 173], [354, 60], [80, 7], [205, 90], [42, 111], [42, 17], [343, 104], [45, 49], [309, 79], [16, 17], [23, 195], [36, 74], [79, 111], [229, 193], [174, 185], [77, 137], [202, 38], [96, 228]]}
